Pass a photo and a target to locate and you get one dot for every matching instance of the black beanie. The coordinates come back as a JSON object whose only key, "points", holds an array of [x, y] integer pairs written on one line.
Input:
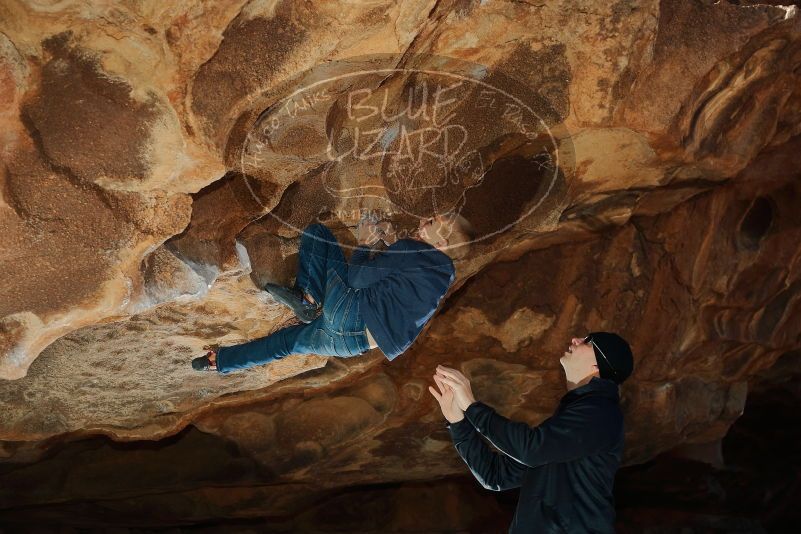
{"points": [[617, 351]]}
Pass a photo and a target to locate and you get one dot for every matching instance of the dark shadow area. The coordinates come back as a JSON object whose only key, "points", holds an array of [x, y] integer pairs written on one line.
{"points": [[756, 223], [196, 482], [511, 187], [757, 490]]}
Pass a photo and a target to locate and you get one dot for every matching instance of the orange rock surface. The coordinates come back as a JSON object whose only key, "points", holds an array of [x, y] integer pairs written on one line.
{"points": [[143, 206]]}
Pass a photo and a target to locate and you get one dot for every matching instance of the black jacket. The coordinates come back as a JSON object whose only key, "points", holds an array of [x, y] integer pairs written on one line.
{"points": [[565, 467], [399, 290]]}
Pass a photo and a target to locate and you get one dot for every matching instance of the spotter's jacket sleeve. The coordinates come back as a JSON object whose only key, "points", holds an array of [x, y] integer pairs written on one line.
{"points": [[583, 428], [493, 470]]}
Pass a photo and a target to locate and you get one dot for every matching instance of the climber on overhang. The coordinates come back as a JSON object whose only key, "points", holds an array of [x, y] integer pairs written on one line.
{"points": [[566, 466], [347, 309]]}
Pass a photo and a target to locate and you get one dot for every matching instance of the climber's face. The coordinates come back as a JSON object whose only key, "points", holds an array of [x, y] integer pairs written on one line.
{"points": [[578, 360], [434, 231]]}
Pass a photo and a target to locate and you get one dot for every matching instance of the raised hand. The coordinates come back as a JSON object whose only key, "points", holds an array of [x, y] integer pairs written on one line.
{"points": [[446, 402], [388, 233], [456, 381], [368, 233]]}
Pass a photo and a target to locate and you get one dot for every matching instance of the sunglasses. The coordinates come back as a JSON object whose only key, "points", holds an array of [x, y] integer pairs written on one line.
{"points": [[588, 339]]}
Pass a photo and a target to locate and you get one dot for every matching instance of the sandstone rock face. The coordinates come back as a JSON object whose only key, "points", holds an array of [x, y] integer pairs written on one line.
{"points": [[628, 166]]}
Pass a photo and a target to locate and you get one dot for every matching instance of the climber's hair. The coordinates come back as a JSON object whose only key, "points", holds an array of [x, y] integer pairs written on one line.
{"points": [[461, 232]]}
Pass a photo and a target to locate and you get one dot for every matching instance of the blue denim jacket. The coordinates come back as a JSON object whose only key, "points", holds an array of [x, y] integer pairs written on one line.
{"points": [[399, 290]]}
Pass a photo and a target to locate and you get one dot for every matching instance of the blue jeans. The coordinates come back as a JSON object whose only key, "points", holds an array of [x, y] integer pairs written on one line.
{"points": [[338, 331]]}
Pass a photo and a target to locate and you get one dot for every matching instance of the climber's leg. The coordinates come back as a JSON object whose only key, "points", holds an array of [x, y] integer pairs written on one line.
{"points": [[319, 252], [342, 318], [313, 338], [297, 339], [338, 331]]}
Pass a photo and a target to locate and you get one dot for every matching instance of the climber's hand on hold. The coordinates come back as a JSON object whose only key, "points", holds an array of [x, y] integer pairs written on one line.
{"points": [[388, 233], [368, 233]]}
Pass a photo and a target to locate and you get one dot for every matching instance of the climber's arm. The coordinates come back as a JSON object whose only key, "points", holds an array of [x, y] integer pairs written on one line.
{"points": [[364, 271]]}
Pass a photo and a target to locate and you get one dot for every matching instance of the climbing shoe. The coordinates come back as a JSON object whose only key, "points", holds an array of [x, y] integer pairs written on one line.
{"points": [[203, 363], [293, 297]]}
